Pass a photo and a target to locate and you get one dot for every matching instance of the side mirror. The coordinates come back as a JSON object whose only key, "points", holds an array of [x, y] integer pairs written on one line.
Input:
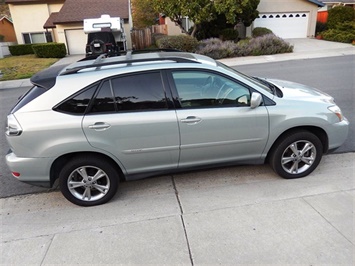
{"points": [[256, 100]]}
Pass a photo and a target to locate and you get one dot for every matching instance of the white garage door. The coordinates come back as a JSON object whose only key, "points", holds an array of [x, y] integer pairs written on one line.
{"points": [[76, 41], [285, 25]]}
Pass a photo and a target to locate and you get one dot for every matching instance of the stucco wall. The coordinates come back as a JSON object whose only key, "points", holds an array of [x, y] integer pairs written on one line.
{"points": [[172, 28], [28, 18]]}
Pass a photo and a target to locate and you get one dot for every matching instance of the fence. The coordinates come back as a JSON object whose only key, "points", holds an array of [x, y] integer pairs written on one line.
{"points": [[143, 38], [4, 48], [322, 16]]}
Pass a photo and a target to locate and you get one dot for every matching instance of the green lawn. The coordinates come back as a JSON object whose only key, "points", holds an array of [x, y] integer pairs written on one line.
{"points": [[23, 66]]}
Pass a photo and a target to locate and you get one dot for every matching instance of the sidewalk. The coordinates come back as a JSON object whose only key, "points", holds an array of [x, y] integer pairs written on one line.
{"points": [[230, 216], [303, 49]]}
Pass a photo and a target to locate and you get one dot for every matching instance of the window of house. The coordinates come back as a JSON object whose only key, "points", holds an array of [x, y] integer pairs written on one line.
{"points": [[37, 37]]}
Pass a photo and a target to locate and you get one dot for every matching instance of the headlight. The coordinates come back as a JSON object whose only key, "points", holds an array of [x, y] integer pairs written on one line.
{"points": [[336, 110], [13, 127]]}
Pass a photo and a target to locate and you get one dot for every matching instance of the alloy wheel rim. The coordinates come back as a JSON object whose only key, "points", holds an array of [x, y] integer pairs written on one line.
{"points": [[88, 183], [298, 157]]}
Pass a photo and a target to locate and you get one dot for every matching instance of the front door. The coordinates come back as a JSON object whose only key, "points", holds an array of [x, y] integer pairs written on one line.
{"points": [[215, 120]]}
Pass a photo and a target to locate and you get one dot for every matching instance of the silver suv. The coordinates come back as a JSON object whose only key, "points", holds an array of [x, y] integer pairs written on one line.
{"points": [[97, 122]]}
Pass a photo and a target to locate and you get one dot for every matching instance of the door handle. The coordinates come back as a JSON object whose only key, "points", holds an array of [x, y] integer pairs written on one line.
{"points": [[191, 120], [100, 126]]}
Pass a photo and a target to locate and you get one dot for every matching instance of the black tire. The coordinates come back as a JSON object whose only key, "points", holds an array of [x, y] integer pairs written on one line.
{"points": [[289, 161], [78, 183]]}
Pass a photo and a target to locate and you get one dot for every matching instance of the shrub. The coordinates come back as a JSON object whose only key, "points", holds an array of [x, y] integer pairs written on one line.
{"points": [[157, 36], [229, 34], [320, 27], [268, 44], [49, 50], [343, 32], [340, 14], [217, 49], [21, 49], [184, 43], [260, 31], [2, 38], [264, 45]]}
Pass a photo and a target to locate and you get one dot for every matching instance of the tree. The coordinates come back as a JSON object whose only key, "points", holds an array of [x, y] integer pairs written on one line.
{"points": [[201, 11], [4, 9], [143, 13]]}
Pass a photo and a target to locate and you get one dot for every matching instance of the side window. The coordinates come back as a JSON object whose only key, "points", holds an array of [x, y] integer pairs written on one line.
{"points": [[78, 103], [104, 101], [198, 89], [139, 92]]}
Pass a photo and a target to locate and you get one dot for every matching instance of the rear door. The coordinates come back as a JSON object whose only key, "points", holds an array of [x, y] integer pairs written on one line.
{"points": [[131, 118], [215, 120]]}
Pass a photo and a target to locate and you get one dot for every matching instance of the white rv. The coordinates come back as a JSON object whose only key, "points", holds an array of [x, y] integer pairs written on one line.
{"points": [[105, 36]]}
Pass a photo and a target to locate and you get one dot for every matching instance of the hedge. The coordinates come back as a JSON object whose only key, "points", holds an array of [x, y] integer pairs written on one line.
{"points": [[181, 42], [21, 49], [264, 45], [343, 32], [340, 14], [260, 31], [50, 50]]}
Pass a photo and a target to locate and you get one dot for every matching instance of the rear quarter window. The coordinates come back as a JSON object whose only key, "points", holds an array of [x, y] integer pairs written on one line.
{"points": [[32, 94], [77, 103]]}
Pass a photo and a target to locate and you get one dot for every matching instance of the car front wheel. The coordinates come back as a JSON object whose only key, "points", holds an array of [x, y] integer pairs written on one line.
{"points": [[296, 154], [88, 181]]}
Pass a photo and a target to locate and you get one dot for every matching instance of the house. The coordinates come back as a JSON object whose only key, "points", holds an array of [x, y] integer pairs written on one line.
{"points": [[330, 3], [40, 21], [288, 19], [7, 29]]}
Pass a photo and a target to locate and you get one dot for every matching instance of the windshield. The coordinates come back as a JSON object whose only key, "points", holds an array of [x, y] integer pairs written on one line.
{"points": [[250, 79]]}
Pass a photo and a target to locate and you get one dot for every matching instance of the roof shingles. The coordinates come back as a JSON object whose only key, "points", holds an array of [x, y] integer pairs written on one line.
{"points": [[78, 10]]}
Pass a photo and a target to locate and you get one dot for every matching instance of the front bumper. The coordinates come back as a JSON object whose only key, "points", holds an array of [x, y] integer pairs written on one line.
{"points": [[34, 171], [337, 134]]}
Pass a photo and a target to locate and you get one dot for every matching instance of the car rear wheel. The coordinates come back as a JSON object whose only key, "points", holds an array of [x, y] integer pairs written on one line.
{"points": [[88, 181], [296, 154]]}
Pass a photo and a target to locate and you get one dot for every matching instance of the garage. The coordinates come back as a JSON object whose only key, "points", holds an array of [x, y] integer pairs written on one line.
{"points": [[76, 41], [285, 25]]}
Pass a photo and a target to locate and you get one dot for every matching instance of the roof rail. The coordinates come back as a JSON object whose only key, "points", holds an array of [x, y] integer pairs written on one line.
{"points": [[96, 64], [143, 51]]}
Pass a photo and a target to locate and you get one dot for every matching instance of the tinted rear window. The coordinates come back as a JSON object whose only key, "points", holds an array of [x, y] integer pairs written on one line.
{"points": [[33, 93]]}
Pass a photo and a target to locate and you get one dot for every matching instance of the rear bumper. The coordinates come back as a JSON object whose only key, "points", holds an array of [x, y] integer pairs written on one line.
{"points": [[34, 171]]}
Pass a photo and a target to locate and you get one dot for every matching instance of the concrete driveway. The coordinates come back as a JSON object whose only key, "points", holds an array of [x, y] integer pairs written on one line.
{"points": [[236, 215]]}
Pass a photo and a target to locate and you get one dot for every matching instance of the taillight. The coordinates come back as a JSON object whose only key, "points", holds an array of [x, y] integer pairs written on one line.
{"points": [[16, 174], [13, 127]]}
